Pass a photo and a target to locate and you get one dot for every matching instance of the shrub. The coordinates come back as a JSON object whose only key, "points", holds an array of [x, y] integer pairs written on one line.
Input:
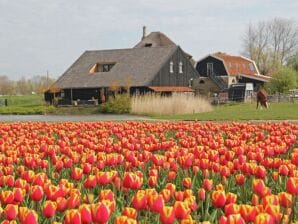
{"points": [[118, 105], [171, 105], [283, 80]]}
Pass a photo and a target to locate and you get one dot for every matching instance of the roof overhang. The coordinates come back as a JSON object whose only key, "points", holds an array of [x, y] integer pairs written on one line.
{"points": [[171, 88], [262, 78]]}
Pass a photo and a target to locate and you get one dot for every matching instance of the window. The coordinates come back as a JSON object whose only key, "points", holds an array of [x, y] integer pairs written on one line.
{"points": [[101, 67], [202, 82], [251, 66], [180, 67], [209, 69], [148, 45], [171, 67]]}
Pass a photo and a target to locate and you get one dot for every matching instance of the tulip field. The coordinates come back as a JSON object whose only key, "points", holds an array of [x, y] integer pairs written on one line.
{"points": [[148, 172]]}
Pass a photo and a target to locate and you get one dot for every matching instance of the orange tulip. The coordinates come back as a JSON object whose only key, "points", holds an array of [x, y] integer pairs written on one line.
{"points": [[235, 219], [264, 218], [90, 182], [186, 182], [231, 198], [285, 199], [258, 186], [166, 194], [124, 220], [130, 212], [76, 173]]}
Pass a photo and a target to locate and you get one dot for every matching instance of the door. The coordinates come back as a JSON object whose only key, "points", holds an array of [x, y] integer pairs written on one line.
{"points": [[209, 69]]}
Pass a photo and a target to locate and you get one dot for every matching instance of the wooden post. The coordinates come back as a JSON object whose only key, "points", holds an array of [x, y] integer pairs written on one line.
{"points": [[71, 96]]}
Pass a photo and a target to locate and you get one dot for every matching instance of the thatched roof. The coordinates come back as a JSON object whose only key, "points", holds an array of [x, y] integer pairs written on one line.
{"points": [[136, 65]]}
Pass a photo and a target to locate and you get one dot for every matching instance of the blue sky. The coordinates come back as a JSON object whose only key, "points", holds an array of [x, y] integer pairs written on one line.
{"points": [[41, 35]]}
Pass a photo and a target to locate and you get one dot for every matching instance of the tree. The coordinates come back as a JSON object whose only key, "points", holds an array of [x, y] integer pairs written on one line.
{"points": [[283, 80], [6, 86], [293, 62], [271, 43]]}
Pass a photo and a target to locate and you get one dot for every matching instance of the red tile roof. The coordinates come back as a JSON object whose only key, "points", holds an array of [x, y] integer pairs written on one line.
{"points": [[237, 65], [171, 88]]}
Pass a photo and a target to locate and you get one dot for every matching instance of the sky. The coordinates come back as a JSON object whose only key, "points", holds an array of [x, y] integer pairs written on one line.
{"points": [[37, 36]]}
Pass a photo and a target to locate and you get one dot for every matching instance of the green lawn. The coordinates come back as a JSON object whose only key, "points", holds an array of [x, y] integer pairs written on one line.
{"points": [[30, 104], [35, 104], [242, 111]]}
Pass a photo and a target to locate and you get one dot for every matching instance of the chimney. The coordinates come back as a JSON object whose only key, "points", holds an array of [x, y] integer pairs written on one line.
{"points": [[144, 32]]}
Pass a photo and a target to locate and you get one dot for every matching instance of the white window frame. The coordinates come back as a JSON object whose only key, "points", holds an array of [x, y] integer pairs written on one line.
{"points": [[210, 68], [180, 67], [171, 67]]}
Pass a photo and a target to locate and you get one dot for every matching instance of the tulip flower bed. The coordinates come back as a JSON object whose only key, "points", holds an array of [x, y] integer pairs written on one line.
{"points": [[139, 172]]}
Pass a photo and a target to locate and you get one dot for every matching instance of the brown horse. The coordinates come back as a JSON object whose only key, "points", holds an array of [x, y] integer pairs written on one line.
{"points": [[262, 98]]}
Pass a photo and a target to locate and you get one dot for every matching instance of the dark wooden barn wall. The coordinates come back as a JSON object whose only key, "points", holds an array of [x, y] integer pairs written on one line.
{"points": [[218, 67], [165, 78]]}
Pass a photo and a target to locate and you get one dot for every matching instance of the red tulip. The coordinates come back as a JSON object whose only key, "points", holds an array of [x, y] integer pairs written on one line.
{"points": [[49, 209], [72, 216], [73, 201], [36, 193], [166, 194], [152, 181], [218, 199], [30, 217], [85, 211], [258, 186], [139, 200], [167, 215], [7, 197], [155, 202], [231, 209], [90, 182], [181, 210], [106, 195], [283, 170], [202, 194], [11, 212], [77, 173], [207, 184], [292, 185], [100, 212], [61, 204], [248, 212], [240, 179]]}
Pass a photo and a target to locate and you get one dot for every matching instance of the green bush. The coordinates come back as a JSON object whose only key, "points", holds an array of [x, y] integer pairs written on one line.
{"points": [[121, 104]]}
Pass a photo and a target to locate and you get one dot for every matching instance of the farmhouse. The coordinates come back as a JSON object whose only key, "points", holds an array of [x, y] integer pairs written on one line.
{"points": [[220, 72], [155, 64]]}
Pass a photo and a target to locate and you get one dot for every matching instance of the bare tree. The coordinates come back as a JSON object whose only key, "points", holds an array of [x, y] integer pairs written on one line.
{"points": [[270, 44]]}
